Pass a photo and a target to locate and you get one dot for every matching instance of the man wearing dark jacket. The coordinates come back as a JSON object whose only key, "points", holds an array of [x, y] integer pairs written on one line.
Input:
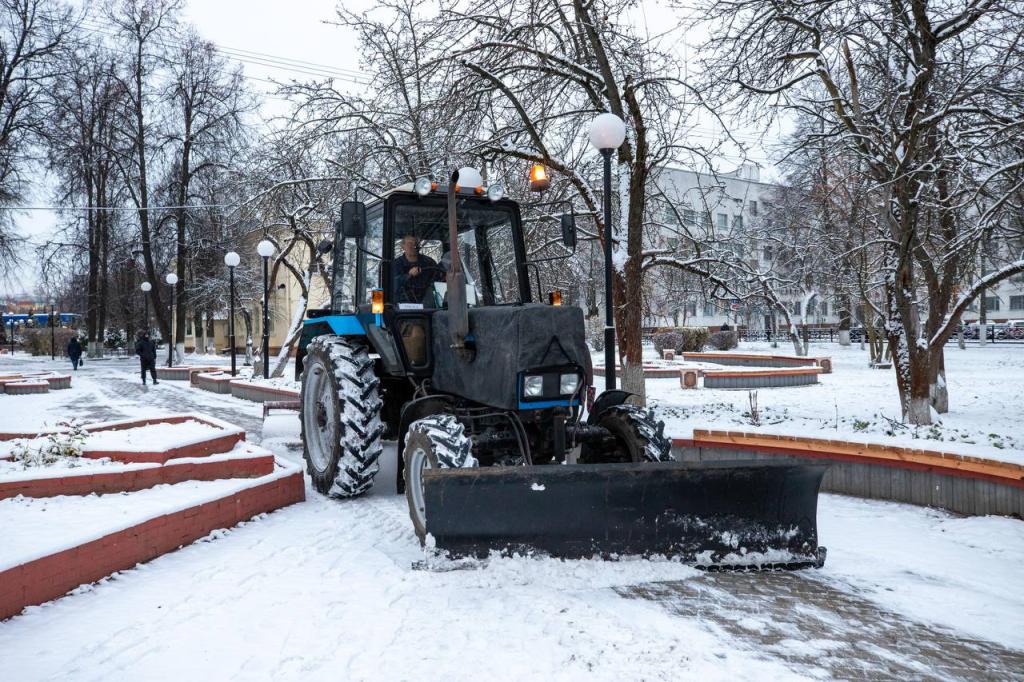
{"points": [[146, 350], [74, 351]]}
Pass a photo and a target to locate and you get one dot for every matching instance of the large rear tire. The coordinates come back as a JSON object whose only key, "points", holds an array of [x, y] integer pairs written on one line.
{"points": [[339, 410], [638, 438], [435, 442]]}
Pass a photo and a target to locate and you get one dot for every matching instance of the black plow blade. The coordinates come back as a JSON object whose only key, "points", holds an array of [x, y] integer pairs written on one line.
{"points": [[714, 514]]}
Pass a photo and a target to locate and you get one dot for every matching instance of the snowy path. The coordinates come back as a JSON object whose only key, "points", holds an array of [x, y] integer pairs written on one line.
{"points": [[326, 590]]}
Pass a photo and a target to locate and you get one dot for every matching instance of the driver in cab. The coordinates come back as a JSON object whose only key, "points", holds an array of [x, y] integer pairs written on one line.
{"points": [[415, 273]]}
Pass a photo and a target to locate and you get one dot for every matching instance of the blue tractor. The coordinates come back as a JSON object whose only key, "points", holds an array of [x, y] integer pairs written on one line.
{"points": [[434, 338]]}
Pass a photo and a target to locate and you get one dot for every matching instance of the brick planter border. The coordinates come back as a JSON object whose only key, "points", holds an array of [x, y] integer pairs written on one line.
{"points": [[958, 483], [240, 388], [182, 373], [101, 483], [768, 378], [213, 445], [755, 360], [24, 387], [52, 576], [215, 383]]}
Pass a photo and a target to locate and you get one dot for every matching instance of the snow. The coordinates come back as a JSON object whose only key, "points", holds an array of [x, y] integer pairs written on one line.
{"points": [[329, 589], [152, 437], [37, 527], [82, 466], [861, 404]]}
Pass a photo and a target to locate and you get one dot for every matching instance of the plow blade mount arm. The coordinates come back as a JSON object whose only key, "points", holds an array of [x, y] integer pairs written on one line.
{"points": [[717, 514]]}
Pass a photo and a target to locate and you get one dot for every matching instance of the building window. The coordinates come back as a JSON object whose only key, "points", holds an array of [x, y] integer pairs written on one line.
{"points": [[752, 206], [689, 216], [672, 242], [723, 221], [768, 252], [737, 222], [992, 303], [1017, 303], [823, 308], [709, 310], [691, 309], [795, 307]]}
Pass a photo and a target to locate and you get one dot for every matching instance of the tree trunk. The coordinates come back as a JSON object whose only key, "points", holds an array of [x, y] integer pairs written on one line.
{"points": [[938, 392], [247, 321], [198, 333]]}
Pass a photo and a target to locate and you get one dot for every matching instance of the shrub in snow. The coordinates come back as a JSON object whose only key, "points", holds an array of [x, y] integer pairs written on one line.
{"points": [[681, 339], [37, 340], [64, 446], [723, 340]]}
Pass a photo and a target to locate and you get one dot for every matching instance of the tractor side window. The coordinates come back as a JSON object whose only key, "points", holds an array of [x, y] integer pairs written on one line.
{"points": [[373, 246]]}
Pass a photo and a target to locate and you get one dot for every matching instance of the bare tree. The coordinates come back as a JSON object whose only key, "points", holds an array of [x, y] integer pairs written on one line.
{"points": [[31, 34], [922, 93]]}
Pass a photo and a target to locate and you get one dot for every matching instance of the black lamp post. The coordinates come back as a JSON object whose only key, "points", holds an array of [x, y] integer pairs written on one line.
{"points": [[231, 260], [146, 287], [172, 279], [53, 330], [12, 336], [607, 133], [266, 249]]}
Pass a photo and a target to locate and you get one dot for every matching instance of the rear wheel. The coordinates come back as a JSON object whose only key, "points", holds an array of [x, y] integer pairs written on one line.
{"points": [[636, 437], [339, 410], [435, 442]]}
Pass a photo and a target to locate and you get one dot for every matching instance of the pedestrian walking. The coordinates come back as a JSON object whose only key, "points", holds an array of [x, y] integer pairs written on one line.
{"points": [[146, 350], [74, 351]]}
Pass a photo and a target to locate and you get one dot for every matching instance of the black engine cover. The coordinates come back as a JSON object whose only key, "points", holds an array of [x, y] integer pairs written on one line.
{"points": [[508, 340]]}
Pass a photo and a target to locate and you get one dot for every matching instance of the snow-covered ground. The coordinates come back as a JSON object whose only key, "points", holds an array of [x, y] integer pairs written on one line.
{"points": [[327, 590], [857, 403]]}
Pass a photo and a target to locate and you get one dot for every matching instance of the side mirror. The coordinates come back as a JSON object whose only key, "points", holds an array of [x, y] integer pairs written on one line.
{"points": [[353, 220], [569, 230], [325, 246]]}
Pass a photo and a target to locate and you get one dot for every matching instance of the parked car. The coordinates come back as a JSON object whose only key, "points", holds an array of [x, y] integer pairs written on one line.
{"points": [[995, 330], [1014, 329]]}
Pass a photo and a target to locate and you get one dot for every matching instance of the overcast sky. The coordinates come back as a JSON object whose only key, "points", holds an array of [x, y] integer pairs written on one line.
{"points": [[294, 31]]}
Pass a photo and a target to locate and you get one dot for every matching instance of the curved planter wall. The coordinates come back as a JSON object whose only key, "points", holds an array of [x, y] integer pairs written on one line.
{"points": [[769, 378], [956, 483]]}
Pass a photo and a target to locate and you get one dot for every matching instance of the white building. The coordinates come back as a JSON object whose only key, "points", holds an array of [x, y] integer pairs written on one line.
{"points": [[730, 203]]}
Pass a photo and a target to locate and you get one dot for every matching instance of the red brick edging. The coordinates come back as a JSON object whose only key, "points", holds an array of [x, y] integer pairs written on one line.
{"points": [[49, 577], [139, 479]]}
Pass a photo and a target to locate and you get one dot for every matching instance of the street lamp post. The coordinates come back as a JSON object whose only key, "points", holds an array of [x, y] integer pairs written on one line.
{"points": [[12, 336], [607, 133], [146, 287], [53, 330], [266, 249], [231, 260], [172, 279]]}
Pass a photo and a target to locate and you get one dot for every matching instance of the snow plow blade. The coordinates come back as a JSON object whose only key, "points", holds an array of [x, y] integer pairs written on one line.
{"points": [[711, 514]]}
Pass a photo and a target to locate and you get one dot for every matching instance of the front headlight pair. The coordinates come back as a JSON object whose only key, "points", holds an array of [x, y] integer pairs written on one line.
{"points": [[533, 386]]}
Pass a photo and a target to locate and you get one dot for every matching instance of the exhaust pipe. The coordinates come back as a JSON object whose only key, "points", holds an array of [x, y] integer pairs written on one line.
{"points": [[458, 312]]}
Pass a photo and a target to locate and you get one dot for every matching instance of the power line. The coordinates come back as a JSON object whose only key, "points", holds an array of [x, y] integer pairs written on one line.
{"points": [[254, 58]]}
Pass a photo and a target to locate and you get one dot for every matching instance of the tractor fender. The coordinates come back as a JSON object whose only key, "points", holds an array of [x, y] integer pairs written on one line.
{"points": [[411, 411], [606, 400]]}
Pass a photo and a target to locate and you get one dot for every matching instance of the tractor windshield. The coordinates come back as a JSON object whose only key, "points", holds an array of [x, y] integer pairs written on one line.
{"points": [[487, 249]]}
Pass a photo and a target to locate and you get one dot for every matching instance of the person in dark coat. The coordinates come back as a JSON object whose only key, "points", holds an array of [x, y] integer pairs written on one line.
{"points": [[146, 350], [75, 351]]}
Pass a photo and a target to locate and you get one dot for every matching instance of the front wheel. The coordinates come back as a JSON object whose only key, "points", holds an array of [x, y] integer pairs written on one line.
{"points": [[636, 437], [435, 442], [339, 409]]}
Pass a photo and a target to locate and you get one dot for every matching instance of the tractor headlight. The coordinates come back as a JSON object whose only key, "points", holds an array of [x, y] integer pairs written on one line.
{"points": [[533, 387], [568, 383], [423, 186]]}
